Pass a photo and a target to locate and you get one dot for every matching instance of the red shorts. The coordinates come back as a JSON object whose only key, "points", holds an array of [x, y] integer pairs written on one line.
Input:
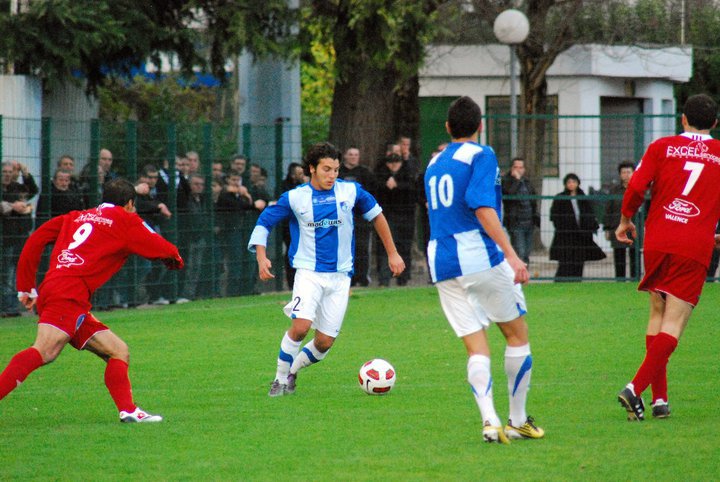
{"points": [[80, 325], [673, 274]]}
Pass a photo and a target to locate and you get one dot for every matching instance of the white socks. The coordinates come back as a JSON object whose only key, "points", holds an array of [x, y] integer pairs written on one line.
{"points": [[289, 349], [479, 377], [308, 355], [518, 368]]}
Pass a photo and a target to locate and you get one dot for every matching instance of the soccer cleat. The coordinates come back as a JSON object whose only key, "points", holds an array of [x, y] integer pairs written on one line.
{"points": [[290, 387], [633, 404], [139, 416], [660, 409], [526, 430], [492, 434], [277, 389]]}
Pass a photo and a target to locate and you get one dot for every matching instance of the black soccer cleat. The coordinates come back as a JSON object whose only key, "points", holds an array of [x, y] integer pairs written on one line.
{"points": [[633, 404], [660, 409]]}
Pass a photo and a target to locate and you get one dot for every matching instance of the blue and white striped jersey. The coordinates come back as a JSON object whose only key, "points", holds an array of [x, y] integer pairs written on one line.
{"points": [[462, 178], [321, 225]]}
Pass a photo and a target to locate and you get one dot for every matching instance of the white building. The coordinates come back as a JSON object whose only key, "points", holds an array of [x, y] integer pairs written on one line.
{"points": [[592, 81]]}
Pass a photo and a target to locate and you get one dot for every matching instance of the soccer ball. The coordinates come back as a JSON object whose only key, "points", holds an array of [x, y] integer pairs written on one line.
{"points": [[376, 377]]}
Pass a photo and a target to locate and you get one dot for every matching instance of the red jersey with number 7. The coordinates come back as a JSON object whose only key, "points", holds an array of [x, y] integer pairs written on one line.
{"points": [[683, 174], [92, 246]]}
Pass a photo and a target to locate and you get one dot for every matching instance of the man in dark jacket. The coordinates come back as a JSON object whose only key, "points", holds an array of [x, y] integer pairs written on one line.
{"points": [[520, 216], [612, 220], [396, 195], [352, 170]]}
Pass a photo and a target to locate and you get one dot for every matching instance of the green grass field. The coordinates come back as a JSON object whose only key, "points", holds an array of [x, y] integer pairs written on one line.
{"points": [[206, 366]]}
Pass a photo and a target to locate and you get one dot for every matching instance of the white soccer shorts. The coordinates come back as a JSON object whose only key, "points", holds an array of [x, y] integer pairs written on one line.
{"points": [[473, 301], [321, 298]]}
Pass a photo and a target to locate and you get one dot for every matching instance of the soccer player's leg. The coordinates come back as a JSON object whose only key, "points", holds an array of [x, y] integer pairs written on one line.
{"points": [[469, 325], [98, 339], [331, 306], [504, 302], [49, 342], [660, 402]]}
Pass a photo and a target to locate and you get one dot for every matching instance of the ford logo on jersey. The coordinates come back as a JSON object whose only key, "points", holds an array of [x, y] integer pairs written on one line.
{"points": [[682, 208]]}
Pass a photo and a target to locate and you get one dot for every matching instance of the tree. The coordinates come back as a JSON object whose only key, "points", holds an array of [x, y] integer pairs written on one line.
{"points": [[379, 46], [59, 39]]}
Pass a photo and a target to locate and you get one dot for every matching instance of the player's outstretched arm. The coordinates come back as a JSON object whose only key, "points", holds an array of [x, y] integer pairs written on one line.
{"points": [[395, 261], [264, 264], [491, 224], [625, 228]]}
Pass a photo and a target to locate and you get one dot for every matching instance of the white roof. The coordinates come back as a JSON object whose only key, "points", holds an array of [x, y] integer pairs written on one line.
{"points": [[591, 60]]}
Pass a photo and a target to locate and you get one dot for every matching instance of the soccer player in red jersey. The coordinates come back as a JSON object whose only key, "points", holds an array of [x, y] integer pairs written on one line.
{"points": [[90, 247], [683, 175]]}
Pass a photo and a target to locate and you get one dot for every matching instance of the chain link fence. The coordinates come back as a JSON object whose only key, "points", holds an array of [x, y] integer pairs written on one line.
{"points": [[214, 241]]}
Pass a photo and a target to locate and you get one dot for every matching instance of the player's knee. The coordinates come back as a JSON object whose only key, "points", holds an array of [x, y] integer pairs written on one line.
{"points": [[120, 351], [323, 343], [48, 353]]}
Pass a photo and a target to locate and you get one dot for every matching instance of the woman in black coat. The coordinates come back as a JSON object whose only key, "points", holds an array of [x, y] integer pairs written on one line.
{"points": [[575, 224]]}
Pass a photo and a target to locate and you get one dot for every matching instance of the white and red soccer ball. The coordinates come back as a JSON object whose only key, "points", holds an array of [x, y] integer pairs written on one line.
{"points": [[376, 377]]}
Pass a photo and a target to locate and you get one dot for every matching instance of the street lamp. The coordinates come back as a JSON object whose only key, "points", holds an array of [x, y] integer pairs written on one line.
{"points": [[511, 27]]}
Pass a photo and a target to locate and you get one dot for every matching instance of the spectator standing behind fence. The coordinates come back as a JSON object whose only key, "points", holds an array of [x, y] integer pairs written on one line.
{"points": [[67, 163], [151, 207], [194, 219], [235, 208], [352, 170], [520, 216], [16, 227], [295, 176], [575, 224], [396, 194], [104, 174], [63, 198], [405, 144], [257, 189], [239, 164], [621, 251]]}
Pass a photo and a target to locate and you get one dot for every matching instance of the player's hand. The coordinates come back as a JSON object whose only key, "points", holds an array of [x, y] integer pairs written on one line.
{"points": [[717, 241], [522, 275], [174, 263], [264, 267], [396, 264], [625, 228], [28, 300]]}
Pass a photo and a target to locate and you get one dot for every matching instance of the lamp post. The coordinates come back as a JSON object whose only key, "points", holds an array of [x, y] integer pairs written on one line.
{"points": [[511, 27]]}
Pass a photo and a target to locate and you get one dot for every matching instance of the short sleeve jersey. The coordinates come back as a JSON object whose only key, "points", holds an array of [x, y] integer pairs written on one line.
{"points": [[462, 178], [90, 245], [321, 225], [683, 174]]}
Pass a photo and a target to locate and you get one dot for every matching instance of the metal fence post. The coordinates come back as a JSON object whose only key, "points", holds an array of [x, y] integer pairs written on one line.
{"points": [[247, 144], [279, 128], [45, 174], [94, 195], [172, 235]]}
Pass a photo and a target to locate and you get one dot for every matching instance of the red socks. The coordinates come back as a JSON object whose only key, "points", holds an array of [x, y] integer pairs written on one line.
{"points": [[21, 365], [118, 384], [659, 384], [654, 367]]}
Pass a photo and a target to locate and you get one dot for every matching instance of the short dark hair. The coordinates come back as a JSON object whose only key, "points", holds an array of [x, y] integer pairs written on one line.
{"points": [[626, 164], [464, 117], [118, 192], [319, 151], [701, 111], [148, 168]]}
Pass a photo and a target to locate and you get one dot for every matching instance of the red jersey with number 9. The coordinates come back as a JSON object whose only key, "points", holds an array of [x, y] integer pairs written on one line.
{"points": [[683, 174], [90, 245]]}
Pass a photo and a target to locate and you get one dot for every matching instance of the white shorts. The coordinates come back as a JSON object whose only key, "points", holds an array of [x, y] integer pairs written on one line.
{"points": [[321, 298], [473, 301]]}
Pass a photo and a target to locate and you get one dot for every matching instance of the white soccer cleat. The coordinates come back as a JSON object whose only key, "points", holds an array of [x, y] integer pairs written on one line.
{"points": [[139, 416]]}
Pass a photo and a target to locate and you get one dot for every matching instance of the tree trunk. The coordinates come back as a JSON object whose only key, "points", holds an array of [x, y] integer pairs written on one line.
{"points": [[362, 113]]}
